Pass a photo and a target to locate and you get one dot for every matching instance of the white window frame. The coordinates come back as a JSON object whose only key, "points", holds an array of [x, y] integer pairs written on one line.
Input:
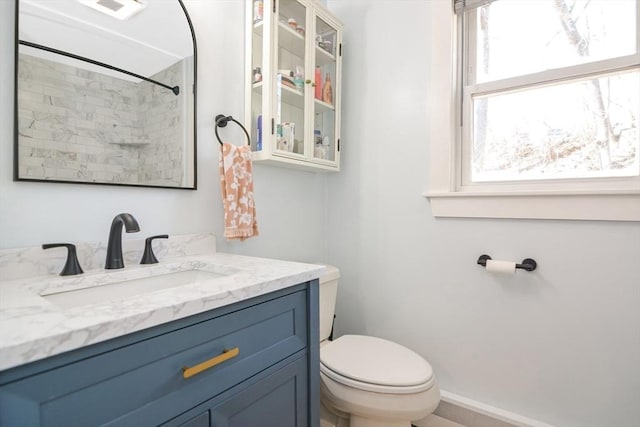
{"points": [[451, 195]]}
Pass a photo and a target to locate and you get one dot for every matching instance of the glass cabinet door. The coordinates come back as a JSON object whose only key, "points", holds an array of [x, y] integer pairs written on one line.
{"points": [[326, 45], [259, 37], [291, 73]]}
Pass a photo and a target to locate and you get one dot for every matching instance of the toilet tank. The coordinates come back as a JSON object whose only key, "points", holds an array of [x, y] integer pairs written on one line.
{"points": [[328, 293]]}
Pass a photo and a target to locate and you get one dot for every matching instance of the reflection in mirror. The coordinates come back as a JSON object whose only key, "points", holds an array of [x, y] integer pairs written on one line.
{"points": [[105, 99]]}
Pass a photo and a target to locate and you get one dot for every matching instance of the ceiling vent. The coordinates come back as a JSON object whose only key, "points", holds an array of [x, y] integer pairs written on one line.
{"points": [[121, 9]]}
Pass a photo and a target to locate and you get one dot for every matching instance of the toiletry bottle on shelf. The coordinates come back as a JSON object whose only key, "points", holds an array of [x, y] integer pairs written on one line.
{"points": [[257, 75], [258, 11], [259, 131], [327, 93], [318, 81], [298, 77]]}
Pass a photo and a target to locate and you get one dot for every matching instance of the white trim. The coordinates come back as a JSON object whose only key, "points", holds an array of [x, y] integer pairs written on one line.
{"points": [[460, 6], [552, 77], [490, 411], [569, 206], [441, 106]]}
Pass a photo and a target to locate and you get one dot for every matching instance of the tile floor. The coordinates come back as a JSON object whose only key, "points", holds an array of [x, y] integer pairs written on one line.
{"points": [[436, 421]]}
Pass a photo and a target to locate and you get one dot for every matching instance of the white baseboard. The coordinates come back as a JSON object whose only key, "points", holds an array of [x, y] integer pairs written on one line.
{"points": [[489, 411]]}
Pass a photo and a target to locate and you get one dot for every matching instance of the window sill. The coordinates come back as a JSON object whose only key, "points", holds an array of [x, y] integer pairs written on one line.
{"points": [[599, 206]]}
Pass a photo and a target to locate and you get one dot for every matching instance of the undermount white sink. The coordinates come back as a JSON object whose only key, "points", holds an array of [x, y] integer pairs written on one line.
{"points": [[127, 288]]}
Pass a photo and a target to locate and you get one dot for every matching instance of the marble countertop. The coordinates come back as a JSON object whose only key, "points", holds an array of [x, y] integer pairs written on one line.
{"points": [[33, 328]]}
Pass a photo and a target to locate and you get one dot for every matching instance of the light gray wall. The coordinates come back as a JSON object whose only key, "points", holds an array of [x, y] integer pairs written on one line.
{"points": [[290, 205], [561, 345]]}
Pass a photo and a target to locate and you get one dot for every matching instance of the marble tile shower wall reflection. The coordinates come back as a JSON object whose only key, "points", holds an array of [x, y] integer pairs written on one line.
{"points": [[76, 124], [162, 161], [71, 120]]}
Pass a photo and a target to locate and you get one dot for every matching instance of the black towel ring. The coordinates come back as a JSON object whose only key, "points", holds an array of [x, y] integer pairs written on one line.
{"points": [[222, 120]]}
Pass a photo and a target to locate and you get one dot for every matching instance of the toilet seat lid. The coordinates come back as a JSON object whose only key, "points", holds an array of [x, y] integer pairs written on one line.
{"points": [[375, 364]]}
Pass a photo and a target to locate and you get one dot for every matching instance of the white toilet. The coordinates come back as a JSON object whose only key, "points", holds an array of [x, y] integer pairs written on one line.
{"points": [[367, 381]]}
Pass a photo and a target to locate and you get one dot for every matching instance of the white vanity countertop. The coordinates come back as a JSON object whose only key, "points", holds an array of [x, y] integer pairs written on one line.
{"points": [[33, 328]]}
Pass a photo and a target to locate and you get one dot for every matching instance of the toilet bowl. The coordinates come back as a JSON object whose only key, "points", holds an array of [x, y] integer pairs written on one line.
{"points": [[368, 381]]}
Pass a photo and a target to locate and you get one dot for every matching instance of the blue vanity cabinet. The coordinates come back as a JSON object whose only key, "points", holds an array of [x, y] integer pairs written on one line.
{"points": [[277, 398], [280, 397], [270, 376]]}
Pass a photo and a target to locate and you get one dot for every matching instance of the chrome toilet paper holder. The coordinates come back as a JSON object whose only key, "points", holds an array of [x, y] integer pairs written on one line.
{"points": [[528, 264]]}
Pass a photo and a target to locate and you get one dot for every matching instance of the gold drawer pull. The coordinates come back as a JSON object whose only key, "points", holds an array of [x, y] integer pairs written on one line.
{"points": [[188, 372]]}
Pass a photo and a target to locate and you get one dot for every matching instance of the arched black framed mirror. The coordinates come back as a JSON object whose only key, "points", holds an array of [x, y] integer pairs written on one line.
{"points": [[105, 93]]}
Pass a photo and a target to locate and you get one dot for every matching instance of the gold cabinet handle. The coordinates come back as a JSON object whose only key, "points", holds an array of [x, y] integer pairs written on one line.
{"points": [[188, 372]]}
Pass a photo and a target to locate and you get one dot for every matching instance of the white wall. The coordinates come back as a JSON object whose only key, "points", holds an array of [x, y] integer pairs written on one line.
{"points": [[561, 345], [290, 204]]}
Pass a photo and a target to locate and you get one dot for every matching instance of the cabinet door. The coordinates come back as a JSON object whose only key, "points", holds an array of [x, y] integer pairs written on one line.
{"points": [[257, 54], [279, 400], [281, 76], [202, 420], [327, 52], [292, 71]]}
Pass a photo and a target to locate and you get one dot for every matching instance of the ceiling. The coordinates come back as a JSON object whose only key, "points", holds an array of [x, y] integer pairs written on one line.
{"points": [[146, 43]]}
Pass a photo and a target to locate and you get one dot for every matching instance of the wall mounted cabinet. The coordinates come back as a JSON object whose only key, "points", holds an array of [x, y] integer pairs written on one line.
{"points": [[293, 84]]}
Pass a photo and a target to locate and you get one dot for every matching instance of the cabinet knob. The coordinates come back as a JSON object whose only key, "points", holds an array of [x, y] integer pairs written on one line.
{"points": [[72, 266], [308, 82], [148, 257]]}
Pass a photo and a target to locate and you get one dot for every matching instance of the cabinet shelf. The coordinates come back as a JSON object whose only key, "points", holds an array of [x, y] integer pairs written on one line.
{"points": [[323, 107], [290, 96], [297, 162], [323, 57], [257, 28], [290, 40]]}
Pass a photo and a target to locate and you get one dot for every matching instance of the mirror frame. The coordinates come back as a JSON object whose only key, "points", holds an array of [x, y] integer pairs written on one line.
{"points": [[16, 171]]}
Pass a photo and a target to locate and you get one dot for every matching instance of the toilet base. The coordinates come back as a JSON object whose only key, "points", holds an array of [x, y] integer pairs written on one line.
{"points": [[329, 419], [336, 418], [356, 421], [369, 409]]}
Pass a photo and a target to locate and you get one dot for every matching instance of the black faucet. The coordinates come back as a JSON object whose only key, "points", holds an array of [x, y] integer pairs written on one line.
{"points": [[114, 248]]}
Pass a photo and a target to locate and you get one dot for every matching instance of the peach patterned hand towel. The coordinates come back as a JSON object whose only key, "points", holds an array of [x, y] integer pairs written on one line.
{"points": [[236, 179]]}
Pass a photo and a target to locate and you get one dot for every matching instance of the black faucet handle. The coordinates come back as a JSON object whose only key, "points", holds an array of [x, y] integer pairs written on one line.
{"points": [[72, 266], [148, 257]]}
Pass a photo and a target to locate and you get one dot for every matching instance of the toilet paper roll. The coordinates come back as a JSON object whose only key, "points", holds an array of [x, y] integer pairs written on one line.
{"points": [[501, 267]]}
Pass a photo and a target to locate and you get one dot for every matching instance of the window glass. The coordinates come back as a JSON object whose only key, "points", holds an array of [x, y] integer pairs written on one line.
{"points": [[587, 128], [578, 120], [526, 36]]}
